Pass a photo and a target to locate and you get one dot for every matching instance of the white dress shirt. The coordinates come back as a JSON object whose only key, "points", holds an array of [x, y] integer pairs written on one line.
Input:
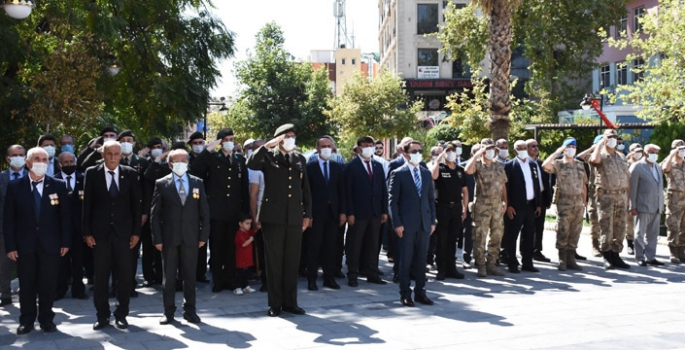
{"points": [[528, 177], [108, 177]]}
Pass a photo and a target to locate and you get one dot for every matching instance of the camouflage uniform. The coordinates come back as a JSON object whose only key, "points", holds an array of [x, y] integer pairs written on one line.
{"points": [[487, 211], [571, 178], [592, 206], [675, 210], [611, 183]]}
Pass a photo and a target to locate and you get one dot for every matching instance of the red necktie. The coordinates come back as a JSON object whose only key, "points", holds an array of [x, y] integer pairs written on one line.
{"points": [[368, 168]]}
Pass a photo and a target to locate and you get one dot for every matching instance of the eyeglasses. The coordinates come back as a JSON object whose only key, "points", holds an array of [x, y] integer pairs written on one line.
{"points": [[416, 151]]}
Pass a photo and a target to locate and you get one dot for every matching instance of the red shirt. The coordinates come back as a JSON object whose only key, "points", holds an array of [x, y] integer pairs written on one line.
{"points": [[243, 255]]}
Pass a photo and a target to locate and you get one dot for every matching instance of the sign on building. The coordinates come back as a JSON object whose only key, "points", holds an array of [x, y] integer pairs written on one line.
{"points": [[428, 72]]}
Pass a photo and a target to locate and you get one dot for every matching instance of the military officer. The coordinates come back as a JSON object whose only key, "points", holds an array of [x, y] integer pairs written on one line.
{"points": [[674, 169], [592, 209], [284, 213], [635, 155]]}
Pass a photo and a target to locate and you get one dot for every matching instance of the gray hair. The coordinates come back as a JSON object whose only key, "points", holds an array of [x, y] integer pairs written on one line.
{"points": [[520, 143], [59, 157], [176, 152], [110, 144], [35, 150], [651, 146]]}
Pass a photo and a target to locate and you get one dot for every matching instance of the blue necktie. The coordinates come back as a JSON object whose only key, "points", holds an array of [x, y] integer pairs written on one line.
{"points": [[15, 175], [325, 171], [417, 181], [113, 189], [182, 191], [36, 197]]}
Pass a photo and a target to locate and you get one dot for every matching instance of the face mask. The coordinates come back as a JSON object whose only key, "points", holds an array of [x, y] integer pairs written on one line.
{"points": [[156, 152], [458, 151], [228, 146], [126, 148], [39, 169], [69, 169], [415, 158], [570, 152], [637, 156], [653, 157], [621, 147], [50, 150], [451, 156], [108, 139], [681, 153], [179, 168], [367, 152], [490, 154], [17, 162], [522, 154], [248, 153], [503, 153], [68, 148], [612, 143], [197, 149], [289, 144], [325, 153]]}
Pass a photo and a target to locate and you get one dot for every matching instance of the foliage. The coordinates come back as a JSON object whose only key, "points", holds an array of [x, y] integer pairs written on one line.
{"points": [[664, 134], [444, 132], [276, 90]]}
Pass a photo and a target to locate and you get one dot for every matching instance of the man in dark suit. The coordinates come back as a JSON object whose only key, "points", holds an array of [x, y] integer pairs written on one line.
{"points": [[523, 191], [71, 269], [16, 157], [37, 230], [111, 226], [412, 208], [284, 213], [227, 182], [151, 258], [367, 209], [546, 193], [328, 213], [180, 224], [49, 144]]}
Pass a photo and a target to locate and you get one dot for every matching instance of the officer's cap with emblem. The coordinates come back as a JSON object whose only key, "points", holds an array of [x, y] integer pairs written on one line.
{"points": [[284, 129], [679, 144], [179, 145], [154, 142], [570, 141], [223, 133], [635, 147], [248, 142], [597, 139], [487, 143], [107, 129], [125, 133], [610, 132], [196, 135]]}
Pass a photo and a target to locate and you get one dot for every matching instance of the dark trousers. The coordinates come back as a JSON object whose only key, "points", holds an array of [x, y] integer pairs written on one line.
{"points": [[320, 250], [173, 258], [539, 229], [152, 258], [243, 277], [259, 238], [446, 231], [392, 240], [222, 249], [466, 240], [88, 264], [201, 269], [71, 269], [523, 222], [340, 247], [302, 268], [412, 250], [112, 253], [362, 247], [430, 252], [38, 273], [282, 244]]}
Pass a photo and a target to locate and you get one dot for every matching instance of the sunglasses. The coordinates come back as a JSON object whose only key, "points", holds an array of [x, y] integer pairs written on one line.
{"points": [[416, 151]]}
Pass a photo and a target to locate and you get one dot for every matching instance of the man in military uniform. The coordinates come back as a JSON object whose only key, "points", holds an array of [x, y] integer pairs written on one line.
{"points": [[227, 186], [592, 209], [570, 198], [451, 203], [284, 213], [91, 154], [489, 206], [196, 141], [674, 168], [611, 181], [635, 155]]}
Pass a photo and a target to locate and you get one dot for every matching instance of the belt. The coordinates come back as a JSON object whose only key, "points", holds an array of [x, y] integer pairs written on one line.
{"points": [[676, 193], [448, 204], [603, 191]]}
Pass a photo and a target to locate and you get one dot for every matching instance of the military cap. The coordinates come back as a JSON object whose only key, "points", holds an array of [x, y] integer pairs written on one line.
{"points": [[179, 145], [107, 129], [610, 132], [487, 143], [677, 143], [570, 142], [125, 133], [154, 141], [248, 142], [284, 129], [450, 145], [635, 147], [223, 133], [597, 139], [196, 135]]}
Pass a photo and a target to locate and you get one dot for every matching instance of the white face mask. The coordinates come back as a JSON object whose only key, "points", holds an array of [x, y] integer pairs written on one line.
{"points": [[503, 153], [197, 149], [652, 158], [108, 139], [50, 150], [248, 153], [126, 148], [289, 144], [458, 151], [228, 146], [156, 152], [570, 152], [415, 158], [179, 168], [451, 156], [17, 162], [681, 153], [490, 154], [39, 169], [621, 147], [522, 154], [637, 156], [612, 143], [367, 152], [325, 153]]}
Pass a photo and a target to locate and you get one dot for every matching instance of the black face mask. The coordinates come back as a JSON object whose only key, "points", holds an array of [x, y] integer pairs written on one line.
{"points": [[69, 169]]}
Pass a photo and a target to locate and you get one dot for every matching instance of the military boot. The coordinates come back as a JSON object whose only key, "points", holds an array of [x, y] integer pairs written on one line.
{"points": [[618, 262], [596, 252], [482, 271], [608, 260], [562, 260], [493, 270], [675, 257], [681, 254], [571, 261]]}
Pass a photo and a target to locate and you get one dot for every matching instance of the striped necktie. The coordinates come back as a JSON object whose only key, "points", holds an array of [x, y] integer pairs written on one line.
{"points": [[417, 181]]}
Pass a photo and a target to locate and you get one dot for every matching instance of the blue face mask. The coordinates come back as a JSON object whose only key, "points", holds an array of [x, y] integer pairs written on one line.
{"points": [[68, 148]]}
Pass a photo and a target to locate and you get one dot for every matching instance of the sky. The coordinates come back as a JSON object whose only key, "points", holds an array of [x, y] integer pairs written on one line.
{"points": [[307, 25]]}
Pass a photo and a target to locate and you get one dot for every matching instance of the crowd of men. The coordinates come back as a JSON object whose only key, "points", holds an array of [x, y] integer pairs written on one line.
{"points": [[68, 217]]}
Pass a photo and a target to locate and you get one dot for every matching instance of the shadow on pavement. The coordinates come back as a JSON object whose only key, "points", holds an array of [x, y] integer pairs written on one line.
{"points": [[335, 333], [207, 334]]}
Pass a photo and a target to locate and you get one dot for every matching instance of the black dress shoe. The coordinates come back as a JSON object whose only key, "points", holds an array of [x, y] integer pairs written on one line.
{"points": [[191, 317], [642, 263], [5, 301], [538, 256], [48, 327], [580, 257], [202, 279], [455, 274], [311, 285], [339, 274], [295, 310], [440, 276], [83, 296], [352, 283], [147, 284], [24, 328], [100, 324], [376, 280], [529, 268], [121, 323], [274, 311], [395, 278], [654, 262], [423, 300], [331, 283], [407, 302], [166, 319], [513, 269]]}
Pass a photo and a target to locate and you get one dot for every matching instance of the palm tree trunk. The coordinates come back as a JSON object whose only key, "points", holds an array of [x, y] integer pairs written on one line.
{"points": [[500, 68]]}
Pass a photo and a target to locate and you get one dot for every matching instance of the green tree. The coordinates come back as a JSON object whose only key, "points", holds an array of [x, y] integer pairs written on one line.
{"points": [[277, 90], [664, 134]]}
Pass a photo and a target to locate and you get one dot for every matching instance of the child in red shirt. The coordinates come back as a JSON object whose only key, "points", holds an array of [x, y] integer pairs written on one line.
{"points": [[243, 254]]}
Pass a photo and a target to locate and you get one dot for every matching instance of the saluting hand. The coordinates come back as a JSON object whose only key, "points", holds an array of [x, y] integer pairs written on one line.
{"points": [[212, 146], [274, 142]]}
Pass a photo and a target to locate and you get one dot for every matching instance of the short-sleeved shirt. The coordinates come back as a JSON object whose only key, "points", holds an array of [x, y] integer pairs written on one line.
{"points": [[676, 177], [449, 184], [490, 180], [571, 177], [257, 178], [612, 173]]}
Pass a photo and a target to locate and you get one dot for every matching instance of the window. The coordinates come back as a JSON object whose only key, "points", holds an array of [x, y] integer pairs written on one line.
{"points": [[639, 14], [427, 57], [621, 73], [343, 61], [427, 18], [604, 76], [354, 61], [638, 72], [460, 70], [622, 27]]}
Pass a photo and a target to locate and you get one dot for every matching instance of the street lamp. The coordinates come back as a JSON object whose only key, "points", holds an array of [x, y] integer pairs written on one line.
{"points": [[597, 104], [18, 9], [223, 108]]}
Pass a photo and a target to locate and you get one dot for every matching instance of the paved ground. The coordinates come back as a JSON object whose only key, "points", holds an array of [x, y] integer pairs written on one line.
{"points": [[592, 309]]}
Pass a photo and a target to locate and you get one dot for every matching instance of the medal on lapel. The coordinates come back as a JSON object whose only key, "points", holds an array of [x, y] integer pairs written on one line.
{"points": [[196, 193], [54, 199], [80, 194]]}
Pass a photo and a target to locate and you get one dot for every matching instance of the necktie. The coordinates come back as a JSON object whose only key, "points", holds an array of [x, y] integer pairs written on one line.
{"points": [[113, 189], [36, 197], [182, 191], [417, 181], [368, 168], [15, 176], [325, 171], [69, 188]]}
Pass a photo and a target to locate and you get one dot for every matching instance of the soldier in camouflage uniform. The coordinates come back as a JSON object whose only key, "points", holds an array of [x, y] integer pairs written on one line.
{"points": [[674, 169], [636, 153], [611, 183], [488, 207], [592, 198], [570, 198]]}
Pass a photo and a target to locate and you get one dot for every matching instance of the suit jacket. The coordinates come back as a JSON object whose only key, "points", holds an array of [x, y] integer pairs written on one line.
{"points": [[23, 231], [406, 207], [287, 198], [365, 199], [548, 192], [646, 193], [174, 223], [227, 184], [327, 199], [101, 211], [75, 201], [516, 184], [4, 182]]}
